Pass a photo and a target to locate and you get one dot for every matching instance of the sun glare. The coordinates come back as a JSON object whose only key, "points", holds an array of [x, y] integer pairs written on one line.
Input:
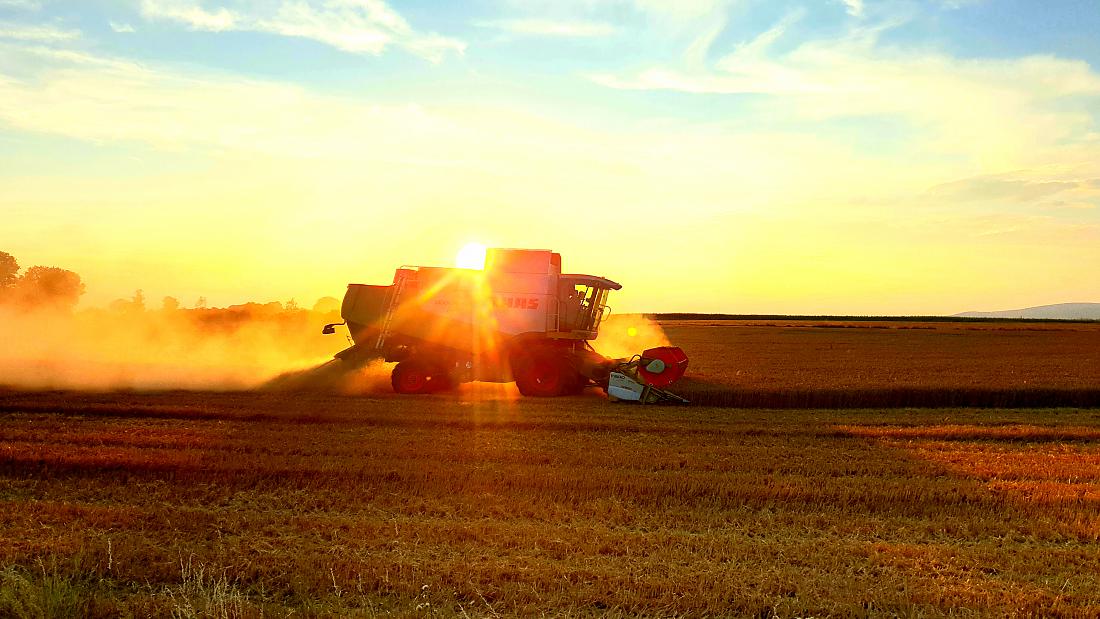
{"points": [[471, 256]]}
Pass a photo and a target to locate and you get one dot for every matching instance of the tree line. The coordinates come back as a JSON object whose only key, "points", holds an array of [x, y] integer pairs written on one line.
{"points": [[38, 286], [57, 288]]}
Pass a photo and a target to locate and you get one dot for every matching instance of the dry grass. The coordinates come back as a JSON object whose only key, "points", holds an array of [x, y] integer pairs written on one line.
{"points": [[200, 504]]}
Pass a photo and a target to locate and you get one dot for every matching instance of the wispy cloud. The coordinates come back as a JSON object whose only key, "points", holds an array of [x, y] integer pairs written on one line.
{"points": [[36, 33], [854, 7], [121, 27], [1002, 187], [190, 13], [355, 26], [963, 106], [102, 98], [25, 5], [1045, 189], [98, 98], [662, 15], [953, 5], [550, 28], [681, 10]]}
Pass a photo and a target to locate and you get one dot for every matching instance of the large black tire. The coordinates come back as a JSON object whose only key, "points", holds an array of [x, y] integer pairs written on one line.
{"points": [[545, 374], [413, 377], [577, 384]]}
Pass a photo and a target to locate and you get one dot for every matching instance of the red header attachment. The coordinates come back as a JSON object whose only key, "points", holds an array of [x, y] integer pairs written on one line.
{"points": [[663, 365]]}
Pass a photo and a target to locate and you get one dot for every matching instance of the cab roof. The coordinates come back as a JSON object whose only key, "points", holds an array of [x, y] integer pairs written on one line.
{"points": [[590, 280]]}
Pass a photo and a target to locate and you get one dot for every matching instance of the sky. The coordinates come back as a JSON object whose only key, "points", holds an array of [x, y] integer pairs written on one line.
{"points": [[829, 157]]}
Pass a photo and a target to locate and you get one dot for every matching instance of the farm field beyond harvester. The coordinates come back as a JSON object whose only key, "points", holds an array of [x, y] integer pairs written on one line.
{"points": [[826, 364], [242, 504]]}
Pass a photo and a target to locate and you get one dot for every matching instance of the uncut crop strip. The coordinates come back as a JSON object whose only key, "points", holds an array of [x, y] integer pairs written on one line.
{"points": [[800, 364], [699, 393]]}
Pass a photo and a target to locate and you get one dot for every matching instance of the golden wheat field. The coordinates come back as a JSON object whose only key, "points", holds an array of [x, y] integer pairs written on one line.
{"points": [[877, 354], [803, 363], [479, 503]]}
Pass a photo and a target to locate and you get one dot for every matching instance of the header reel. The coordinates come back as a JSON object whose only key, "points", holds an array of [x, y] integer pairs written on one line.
{"points": [[643, 377]]}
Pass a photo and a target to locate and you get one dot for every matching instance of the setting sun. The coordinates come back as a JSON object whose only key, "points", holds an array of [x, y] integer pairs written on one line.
{"points": [[471, 256]]}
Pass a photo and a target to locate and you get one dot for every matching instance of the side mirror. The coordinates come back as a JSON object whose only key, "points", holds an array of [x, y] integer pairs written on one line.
{"points": [[330, 329]]}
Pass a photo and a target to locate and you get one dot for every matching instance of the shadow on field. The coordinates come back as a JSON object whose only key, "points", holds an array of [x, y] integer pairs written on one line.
{"points": [[1030, 481]]}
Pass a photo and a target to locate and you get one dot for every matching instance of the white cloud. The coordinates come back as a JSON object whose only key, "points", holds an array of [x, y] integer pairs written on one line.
{"points": [[104, 99], [40, 34], [1001, 112], [662, 15], [551, 28], [1044, 189], [190, 13], [680, 9], [954, 5], [97, 98], [122, 27], [355, 26], [854, 7]]}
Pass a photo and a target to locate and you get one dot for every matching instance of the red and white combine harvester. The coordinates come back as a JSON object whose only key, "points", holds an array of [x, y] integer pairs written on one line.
{"points": [[517, 318]]}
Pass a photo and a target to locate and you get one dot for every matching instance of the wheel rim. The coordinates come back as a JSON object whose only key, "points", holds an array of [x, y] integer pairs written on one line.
{"points": [[545, 377], [413, 381]]}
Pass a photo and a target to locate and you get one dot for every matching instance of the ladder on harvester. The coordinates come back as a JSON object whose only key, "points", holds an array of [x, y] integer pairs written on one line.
{"points": [[391, 307], [553, 316]]}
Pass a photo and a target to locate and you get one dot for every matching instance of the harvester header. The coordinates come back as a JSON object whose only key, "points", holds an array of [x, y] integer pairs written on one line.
{"points": [[519, 318]]}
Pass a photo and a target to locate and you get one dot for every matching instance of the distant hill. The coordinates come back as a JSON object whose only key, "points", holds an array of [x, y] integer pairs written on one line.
{"points": [[1058, 311]]}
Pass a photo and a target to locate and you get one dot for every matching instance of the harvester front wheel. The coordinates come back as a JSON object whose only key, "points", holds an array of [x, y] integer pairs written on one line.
{"points": [[542, 375], [413, 377]]}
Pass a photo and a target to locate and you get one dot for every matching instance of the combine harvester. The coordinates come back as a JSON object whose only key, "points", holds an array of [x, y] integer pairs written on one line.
{"points": [[516, 318]]}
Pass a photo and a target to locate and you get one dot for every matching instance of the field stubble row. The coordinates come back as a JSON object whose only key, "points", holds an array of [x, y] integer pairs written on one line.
{"points": [[317, 504]]}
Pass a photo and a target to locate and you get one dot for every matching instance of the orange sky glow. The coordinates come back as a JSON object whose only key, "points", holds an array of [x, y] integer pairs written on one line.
{"points": [[771, 160]]}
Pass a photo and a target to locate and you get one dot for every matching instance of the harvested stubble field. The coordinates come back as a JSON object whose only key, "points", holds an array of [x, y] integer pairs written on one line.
{"points": [[845, 364], [250, 504]]}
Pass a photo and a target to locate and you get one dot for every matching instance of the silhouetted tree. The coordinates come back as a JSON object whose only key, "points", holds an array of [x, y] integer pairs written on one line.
{"points": [[200, 303], [133, 305], [9, 270], [170, 304], [325, 305], [50, 287]]}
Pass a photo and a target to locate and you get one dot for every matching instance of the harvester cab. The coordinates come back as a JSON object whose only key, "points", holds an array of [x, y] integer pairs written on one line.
{"points": [[582, 304], [518, 318]]}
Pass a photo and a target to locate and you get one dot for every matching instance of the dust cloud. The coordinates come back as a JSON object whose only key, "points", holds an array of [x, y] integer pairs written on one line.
{"points": [[625, 335], [335, 376], [240, 347]]}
